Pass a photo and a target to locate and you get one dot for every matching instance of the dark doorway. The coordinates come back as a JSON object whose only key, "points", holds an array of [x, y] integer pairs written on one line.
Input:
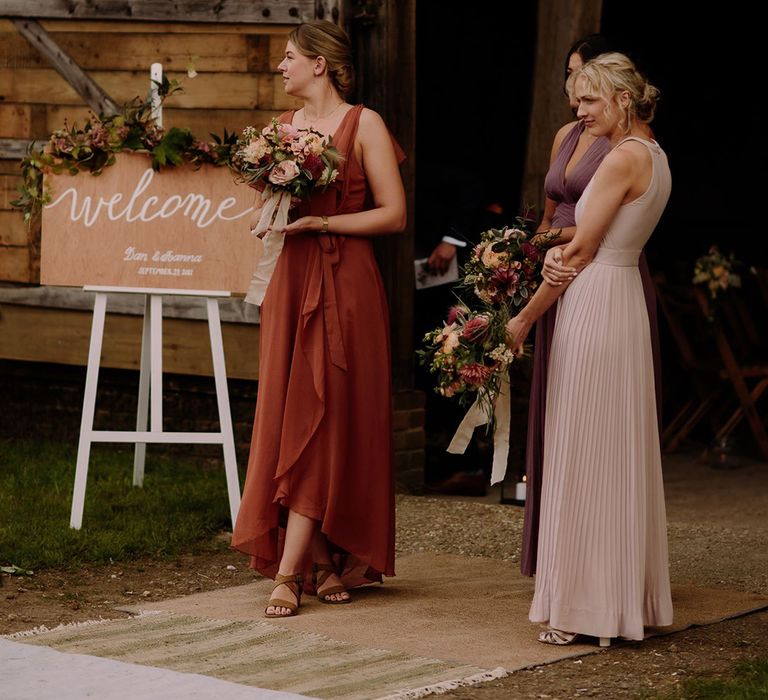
{"points": [[474, 73], [474, 67], [705, 63]]}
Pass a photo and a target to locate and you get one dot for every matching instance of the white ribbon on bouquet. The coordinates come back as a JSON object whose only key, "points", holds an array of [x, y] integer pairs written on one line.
{"points": [[273, 219], [477, 415]]}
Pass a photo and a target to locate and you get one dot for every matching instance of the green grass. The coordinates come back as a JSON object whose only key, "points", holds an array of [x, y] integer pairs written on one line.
{"points": [[181, 505], [749, 681]]}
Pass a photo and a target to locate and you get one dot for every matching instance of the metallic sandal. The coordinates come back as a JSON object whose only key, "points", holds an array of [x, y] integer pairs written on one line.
{"points": [[560, 638]]}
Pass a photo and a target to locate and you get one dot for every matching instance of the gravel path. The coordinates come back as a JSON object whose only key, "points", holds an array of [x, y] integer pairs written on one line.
{"points": [[718, 525], [718, 536]]}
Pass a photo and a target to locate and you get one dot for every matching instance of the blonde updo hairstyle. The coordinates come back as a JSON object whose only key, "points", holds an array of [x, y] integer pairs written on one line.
{"points": [[323, 38], [610, 74]]}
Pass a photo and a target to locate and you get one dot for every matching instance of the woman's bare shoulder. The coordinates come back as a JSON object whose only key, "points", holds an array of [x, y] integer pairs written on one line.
{"points": [[371, 122], [617, 165], [632, 152]]}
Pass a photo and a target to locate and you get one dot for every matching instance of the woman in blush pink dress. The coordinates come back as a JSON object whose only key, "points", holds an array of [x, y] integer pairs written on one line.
{"points": [[576, 154], [602, 553]]}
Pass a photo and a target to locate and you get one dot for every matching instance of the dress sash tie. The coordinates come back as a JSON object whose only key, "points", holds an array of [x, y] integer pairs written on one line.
{"points": [[324, 291]]}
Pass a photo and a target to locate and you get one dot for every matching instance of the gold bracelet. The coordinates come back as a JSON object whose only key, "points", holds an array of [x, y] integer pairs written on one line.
{"points": [[325, 224]]}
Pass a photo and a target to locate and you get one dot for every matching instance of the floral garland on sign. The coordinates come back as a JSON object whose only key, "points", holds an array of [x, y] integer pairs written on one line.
{"points": [[92, 147]]}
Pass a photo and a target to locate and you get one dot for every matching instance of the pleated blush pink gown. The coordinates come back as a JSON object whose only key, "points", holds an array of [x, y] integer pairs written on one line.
{"points": [[566, 192], [602, 554], [322, 439]]}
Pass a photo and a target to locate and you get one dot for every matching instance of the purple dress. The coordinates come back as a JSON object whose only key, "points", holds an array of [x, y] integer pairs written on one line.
{"points": [[566, 193]]}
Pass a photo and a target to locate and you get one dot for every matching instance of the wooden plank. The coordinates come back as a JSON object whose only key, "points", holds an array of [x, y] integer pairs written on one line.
{"points": [[231, 309], [258, 11], [38, 122], [13, 149], [8, 190], [14, 265], [15, 121], [201, 122], [13, 230], [90, 91], [273, 94], [276, 50], [400, 100], [258, 53], [129, 51], [165, 28], [10, 167], [220, 90], [55, 335]]}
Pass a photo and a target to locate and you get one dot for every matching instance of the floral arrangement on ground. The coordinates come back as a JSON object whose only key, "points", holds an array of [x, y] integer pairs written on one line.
{"points": [[716, 272]]}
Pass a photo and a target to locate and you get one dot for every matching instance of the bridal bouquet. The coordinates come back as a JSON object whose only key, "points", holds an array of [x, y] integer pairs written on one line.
{"points": [[468, 352], [504, 268], [283, 159], [285, 163]]}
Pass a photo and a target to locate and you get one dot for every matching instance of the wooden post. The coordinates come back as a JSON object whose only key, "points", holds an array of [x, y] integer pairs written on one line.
{"points": [[560, 23], [386, 74]]}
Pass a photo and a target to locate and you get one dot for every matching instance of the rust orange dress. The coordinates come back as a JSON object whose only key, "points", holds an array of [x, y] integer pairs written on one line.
{"points": [[322, 440]]}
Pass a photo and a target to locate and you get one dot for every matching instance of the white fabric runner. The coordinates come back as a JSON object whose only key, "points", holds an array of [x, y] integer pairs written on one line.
{"points": [[477, 416], [29, 672], [274, 218]]}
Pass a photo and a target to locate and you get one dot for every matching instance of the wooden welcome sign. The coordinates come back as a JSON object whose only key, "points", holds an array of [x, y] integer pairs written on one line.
{"points": [[182, 228]]}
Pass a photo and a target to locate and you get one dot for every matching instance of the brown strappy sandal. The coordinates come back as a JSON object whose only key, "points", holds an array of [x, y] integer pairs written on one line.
{"points": [[294, 582], [320, 574]]}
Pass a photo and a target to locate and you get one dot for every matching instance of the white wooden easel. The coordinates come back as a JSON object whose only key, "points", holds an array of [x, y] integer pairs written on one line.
{"points": [[150, 403]]}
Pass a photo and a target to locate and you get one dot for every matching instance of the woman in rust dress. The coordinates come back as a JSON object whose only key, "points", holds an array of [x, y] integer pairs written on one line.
{"points": [[576, 155], [319, 494]]}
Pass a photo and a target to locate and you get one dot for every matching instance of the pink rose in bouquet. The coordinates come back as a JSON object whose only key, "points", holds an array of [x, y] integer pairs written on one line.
{"points": [[283, 173]]}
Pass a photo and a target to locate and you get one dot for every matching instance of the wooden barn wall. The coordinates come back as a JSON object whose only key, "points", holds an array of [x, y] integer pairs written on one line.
{"points": [[236, 85]]}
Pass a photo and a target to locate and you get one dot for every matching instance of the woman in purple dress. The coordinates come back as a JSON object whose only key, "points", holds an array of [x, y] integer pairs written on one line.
{"points": [[576, 154]]}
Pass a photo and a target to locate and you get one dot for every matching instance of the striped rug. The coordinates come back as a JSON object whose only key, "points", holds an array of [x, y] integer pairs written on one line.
{"points": [[259, 654]]}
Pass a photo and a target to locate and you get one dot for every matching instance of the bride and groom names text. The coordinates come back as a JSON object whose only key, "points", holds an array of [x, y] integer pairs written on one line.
{"points": [[198, 208]]}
